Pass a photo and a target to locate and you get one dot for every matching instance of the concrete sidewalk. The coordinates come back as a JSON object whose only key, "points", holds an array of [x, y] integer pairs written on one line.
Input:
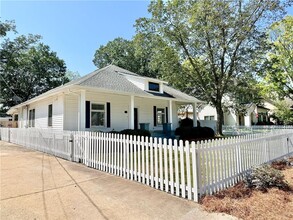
{"points": [[35, 185]]}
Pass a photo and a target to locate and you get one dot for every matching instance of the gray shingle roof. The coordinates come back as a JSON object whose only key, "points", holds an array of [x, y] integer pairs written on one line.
{"points": [[178, 94], [113, 78]]}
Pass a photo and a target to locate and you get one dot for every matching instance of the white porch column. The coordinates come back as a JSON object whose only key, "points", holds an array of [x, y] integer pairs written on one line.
{"points": [[170, 116], [25, 117], [194, 114], [131, 113], [247, 120], [81, 126], [20, 112]]}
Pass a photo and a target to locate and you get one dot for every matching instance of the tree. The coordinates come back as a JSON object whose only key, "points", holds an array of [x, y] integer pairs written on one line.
{"points": [[119, 52], [28, 68], [5, 27], [71, 75], [247, 92], [278, 77], [217, 39], [146, 55], [284, 112], [154, 57]]}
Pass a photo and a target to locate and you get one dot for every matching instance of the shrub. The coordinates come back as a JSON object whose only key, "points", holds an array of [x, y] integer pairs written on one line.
{"points": [[186, 123], [136, 132], [193, 133], [264, 177]]}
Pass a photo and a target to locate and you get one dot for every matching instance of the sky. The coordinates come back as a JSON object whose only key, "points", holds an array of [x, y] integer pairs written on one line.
{"points": [[76, 29]]}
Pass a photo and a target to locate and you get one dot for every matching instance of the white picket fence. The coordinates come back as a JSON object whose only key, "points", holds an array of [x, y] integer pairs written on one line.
{"points": [[187, 170], [244, 130]]}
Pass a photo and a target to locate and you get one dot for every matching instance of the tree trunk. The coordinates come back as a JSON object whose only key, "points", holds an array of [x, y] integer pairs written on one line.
{"points": [[220, 119]]}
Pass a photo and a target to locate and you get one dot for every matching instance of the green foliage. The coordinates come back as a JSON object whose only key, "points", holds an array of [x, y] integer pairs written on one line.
{"points": [[118, 52], [155, 57], [216, 41], [5, 27], [284, 112], [194, 133], [136, 132], [28, 68], [186, 122], [72, 75], [247, 91], [264, 177], [278, 75], [146, 55]]}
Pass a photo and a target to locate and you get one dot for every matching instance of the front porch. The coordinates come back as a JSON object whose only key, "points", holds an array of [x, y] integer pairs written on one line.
{"points": [[105, 111]]}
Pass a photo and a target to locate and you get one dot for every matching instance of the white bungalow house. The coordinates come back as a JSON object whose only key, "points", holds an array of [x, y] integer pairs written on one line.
{"points": [[255, 114], [107, 99]]}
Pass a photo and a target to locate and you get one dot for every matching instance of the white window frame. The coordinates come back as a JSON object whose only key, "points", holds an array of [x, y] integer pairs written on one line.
{"points": [[50, 125], [209, 117], [94, 110], [159, 91], [32, 119], [163, 115]]}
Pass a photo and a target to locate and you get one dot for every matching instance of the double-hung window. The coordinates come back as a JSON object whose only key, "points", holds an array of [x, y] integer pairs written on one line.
{"points": [[32, 113], [161, 117], [50, 114], [211, 117], [97, 115]]}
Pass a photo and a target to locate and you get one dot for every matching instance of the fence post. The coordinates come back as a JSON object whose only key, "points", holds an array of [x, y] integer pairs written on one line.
{"points": [[195, 170], [267, 150], [71, 141], [238, 159]]}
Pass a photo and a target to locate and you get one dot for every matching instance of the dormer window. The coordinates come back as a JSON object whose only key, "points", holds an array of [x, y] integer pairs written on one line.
{"points": [[154, 87]]}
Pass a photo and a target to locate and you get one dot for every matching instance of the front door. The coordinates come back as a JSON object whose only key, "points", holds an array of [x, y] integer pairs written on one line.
{"points": [[135, 118]]}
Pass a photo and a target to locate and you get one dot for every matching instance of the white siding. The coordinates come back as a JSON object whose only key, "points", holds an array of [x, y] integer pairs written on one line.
{"points": [[41, 113], [120, 109], [71, 112], [230, 118], [139, 82], [145, 110], [207, 111], [58, 110]]}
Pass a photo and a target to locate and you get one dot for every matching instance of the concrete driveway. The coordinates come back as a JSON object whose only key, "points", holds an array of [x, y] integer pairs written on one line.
{"points": [[35, 185]]}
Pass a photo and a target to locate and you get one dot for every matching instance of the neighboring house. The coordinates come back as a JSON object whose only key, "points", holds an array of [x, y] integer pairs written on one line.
{"points": [[255, 115], [108, 99], [6, 121]]}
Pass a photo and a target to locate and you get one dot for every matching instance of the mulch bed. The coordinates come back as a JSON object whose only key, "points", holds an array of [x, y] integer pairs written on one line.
{"points": [[249, 203]]}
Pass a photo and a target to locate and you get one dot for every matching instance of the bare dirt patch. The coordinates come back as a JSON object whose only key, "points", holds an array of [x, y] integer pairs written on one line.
{"points": [[248, 203]]}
